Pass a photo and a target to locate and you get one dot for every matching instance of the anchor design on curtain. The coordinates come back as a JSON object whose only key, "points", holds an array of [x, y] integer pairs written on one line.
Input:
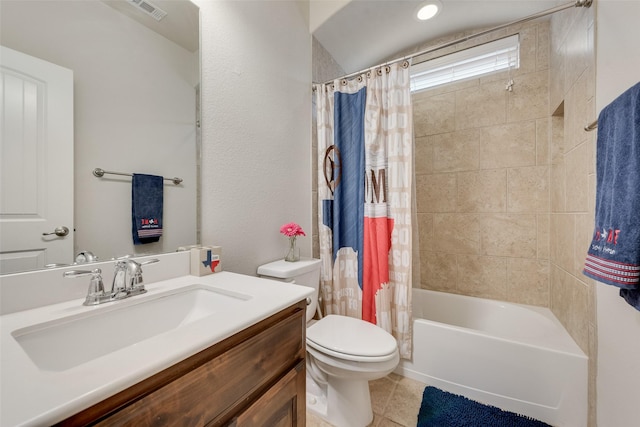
{"points": [[365, 141]]}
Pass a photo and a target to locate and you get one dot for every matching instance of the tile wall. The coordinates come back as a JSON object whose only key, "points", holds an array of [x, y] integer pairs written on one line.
{"points": [[572, 105], [482, 176]]}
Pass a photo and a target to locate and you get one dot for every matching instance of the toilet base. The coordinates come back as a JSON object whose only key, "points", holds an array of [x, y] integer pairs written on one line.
{"points": [[343, 403]]}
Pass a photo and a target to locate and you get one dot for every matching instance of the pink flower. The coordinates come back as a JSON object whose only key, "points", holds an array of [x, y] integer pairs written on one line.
{"points": [[291, 230]]}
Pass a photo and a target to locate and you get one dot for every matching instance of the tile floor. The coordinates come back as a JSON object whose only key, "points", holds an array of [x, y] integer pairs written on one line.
{"points": [[395, 401]]}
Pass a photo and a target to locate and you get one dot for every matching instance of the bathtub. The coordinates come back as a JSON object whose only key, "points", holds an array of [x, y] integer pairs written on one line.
{"points": [[516, 357]]}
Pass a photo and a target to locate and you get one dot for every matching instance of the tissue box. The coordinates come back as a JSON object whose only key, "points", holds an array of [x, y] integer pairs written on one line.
{"points": [[206, 260]]}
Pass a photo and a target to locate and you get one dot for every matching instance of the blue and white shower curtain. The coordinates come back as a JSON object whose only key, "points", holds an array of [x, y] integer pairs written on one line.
{"points": [[365, 178]]}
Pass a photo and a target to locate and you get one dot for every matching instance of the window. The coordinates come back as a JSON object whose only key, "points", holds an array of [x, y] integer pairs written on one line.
{"points": [[487, 58]]}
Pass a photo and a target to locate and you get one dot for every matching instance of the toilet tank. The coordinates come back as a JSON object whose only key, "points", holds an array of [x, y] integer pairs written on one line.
{"points": [[305, 272]]}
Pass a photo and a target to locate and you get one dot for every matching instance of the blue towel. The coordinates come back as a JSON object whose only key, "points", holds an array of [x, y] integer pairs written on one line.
{"points": [[146, 208], [614, 254]]}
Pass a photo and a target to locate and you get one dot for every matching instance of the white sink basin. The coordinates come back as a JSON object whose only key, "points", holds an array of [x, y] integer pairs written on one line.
{"points": [[64, 343]]}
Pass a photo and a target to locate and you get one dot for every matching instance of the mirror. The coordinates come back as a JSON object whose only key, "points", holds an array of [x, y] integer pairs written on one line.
{"points": [[135, 109]]}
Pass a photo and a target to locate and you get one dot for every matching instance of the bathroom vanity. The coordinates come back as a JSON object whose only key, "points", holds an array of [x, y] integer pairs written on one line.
{"points": [[255, 377], [225, 349]]}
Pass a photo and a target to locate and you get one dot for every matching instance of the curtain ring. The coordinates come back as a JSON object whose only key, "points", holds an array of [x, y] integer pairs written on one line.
{"points": [[405, 64], [387, 69], [360, 78], [379, 71], [343, 82], [368, 74]]}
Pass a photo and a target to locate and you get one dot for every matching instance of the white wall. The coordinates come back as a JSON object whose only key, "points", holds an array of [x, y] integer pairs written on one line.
{"points": [[256, 132], [618, 65], [139, 117], [321, 10]]}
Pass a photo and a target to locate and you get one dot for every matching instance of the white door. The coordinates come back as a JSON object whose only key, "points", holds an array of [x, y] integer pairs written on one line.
{"points": [[36, 162]]}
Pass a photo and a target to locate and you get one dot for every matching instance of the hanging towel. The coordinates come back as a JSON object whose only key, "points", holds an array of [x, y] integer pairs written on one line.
{"points": [[614, 254], [146, 208]]}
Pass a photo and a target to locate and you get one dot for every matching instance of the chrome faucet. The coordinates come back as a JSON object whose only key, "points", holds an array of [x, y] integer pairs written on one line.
{"points": [[127, 278], [127, 281]]}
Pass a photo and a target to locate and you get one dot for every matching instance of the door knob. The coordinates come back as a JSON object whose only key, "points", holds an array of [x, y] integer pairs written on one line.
{"points": [[59, 231]]}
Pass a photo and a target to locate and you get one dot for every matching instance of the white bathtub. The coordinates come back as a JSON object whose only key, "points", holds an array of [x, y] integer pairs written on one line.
{"points": [[516, 357]]}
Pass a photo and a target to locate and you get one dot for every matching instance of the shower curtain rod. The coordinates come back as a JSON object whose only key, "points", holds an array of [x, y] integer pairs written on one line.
{"points": [[577, 3]]}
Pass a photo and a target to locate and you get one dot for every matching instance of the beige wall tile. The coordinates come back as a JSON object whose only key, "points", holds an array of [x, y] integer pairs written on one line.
{"points": [[557, 187], [423, 156], [436, 193], [591, 140], [543, 141], [583, 235], [446, 88], [434, 114], [563, 241], [440, 271], [569, 137], [557, 66], [543, 47], [509, 235], [529, 98], [482, 276], [577, 179], [481, 157], [543, 235], [584, 108], [425, 231], [592, 193], [456, 233], [482, 191], [578, 315], [484, 105], [456, 151], [557, 138], [577, 51], [528, 49], [528, 281], [560, 294], [509, 145], [528, 189]]}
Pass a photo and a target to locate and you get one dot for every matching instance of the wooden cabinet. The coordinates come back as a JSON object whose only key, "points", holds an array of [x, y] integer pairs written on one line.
{"points": [[253, 378]]}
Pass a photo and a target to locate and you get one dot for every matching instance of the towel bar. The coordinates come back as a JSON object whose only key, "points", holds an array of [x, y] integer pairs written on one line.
{"points": [[591, 126], [100, 173]]}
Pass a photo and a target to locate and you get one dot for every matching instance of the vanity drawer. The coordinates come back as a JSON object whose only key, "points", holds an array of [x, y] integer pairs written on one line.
{"points": [[282, 405], [213, 386]]}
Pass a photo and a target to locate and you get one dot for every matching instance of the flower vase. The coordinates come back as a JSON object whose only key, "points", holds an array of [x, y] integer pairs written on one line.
{"points": [[293, 252]]}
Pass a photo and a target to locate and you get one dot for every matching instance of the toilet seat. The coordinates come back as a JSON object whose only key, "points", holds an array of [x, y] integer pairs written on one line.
{"points": [[351, 339]]}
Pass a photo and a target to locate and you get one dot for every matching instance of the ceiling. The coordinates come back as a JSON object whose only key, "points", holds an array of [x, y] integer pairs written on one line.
{"points": [[180, 25], [365, 33]]}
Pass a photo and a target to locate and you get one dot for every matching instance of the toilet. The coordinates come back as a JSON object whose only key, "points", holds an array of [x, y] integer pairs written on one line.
{"points": [[343, 353]]}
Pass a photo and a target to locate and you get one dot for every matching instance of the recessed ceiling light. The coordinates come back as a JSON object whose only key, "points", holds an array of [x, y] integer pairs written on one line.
{"points": [[429, 10]]}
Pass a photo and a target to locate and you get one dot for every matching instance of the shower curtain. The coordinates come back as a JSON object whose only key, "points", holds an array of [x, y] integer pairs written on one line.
{"points": [[365, 178]]}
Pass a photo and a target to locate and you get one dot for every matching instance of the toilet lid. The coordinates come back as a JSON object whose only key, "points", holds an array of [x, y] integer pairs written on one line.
{"points": [[346, 335]]}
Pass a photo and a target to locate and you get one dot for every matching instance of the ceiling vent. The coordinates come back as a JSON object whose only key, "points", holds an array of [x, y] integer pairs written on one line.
{"points": [[149, 8]]}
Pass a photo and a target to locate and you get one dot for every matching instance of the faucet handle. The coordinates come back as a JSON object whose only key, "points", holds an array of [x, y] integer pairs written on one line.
{"points": [[136, 274], [95, 293]]}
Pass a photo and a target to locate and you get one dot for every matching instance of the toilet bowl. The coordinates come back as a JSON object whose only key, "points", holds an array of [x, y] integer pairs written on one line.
{"points": [[343, 353]]}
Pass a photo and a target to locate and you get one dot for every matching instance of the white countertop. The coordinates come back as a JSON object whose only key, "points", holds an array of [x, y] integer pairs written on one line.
{"points": [[30, 396]]}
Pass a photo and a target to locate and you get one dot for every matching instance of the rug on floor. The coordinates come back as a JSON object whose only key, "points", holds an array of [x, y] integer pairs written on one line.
{"points": [[442, 409]]}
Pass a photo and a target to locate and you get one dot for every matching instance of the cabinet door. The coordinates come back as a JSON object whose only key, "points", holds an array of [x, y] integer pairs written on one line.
{"points": [[283, 405]]}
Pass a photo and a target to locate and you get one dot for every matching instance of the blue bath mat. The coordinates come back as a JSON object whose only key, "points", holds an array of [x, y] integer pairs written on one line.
{"points": [[442, 409]]}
